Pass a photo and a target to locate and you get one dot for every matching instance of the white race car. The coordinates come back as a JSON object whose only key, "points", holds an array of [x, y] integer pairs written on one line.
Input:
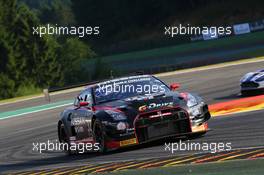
{"points": [[252, 83]]}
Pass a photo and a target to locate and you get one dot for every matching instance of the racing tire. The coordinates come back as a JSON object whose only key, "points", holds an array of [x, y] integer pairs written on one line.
{"points": [[99, 136], [64, 139]]}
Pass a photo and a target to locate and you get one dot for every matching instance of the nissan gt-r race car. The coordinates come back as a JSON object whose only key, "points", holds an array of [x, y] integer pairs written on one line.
{"points": [[252, 83], [129, 111]]}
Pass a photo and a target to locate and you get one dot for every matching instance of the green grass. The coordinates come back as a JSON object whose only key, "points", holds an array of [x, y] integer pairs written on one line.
{"points": [[28, 89], [22, 97], [191, 47], [23, 92], [236, 167]]}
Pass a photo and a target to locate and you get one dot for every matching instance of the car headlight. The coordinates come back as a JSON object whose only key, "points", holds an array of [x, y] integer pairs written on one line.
{"points": [[121, 126], [191, 101], [116, 115], [195, 111]]}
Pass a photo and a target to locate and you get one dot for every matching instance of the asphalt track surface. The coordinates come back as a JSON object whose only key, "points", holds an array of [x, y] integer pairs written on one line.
{"points": [[242, 130]]}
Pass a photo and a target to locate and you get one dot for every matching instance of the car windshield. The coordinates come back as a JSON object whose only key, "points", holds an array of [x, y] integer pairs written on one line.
{"points": [[128, 87]]}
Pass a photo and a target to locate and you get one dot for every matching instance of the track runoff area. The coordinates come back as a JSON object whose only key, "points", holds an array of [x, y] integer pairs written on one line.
{"points": [[237, 126]]}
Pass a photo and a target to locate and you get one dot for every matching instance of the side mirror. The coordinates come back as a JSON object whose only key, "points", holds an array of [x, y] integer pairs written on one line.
{"points": [[174, 86], [83, 103]]}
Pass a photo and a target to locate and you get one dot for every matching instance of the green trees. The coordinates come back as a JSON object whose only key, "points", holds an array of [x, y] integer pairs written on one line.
{"points": [[72, 53], [56, 12], [29, 62], [26, 59]]}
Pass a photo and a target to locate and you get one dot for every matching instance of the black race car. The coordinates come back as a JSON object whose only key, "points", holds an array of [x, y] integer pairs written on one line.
{"points": [[131, 110]]}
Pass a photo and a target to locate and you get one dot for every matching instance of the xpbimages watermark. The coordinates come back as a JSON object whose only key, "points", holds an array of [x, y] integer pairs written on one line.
{"points": [[212, 147], [54, 146], [80, 31], [130, 88], [196, 30]]}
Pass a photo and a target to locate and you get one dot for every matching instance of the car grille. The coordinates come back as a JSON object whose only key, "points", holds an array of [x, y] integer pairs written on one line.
{"points": [[161, 123], [249, 84]]}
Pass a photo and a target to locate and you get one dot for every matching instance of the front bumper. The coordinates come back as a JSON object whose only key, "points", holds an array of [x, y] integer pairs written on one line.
{"points": [[149, 129], [250, 86], [113, 144]]}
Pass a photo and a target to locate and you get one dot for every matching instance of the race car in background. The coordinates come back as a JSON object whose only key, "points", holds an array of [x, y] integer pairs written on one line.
{"points": [[113, 117], [252, 83]]}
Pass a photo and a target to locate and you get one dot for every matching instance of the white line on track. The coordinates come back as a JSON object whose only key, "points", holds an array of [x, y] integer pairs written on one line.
{"points": [[35, 111]]}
